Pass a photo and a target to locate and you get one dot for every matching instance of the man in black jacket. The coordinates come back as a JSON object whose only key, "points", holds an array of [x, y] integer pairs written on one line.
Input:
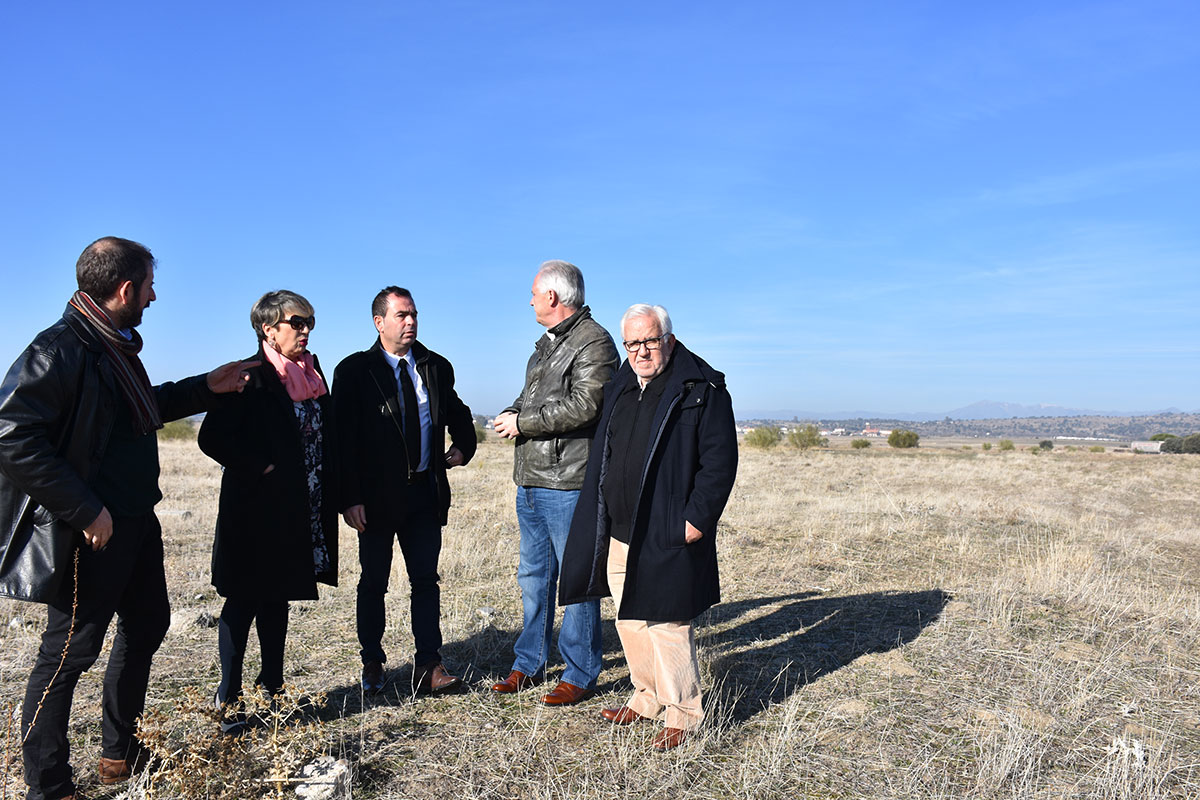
{"points": [[662, 466], [78, 484], [394, 402]]}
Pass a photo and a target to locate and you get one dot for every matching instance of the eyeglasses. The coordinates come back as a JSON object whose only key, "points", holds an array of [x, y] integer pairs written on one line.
{"points": [[299, 323], [651, 344]]}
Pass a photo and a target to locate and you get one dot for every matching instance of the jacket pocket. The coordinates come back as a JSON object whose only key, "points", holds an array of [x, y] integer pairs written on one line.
{"points": [[674, 531], [36, 559]]}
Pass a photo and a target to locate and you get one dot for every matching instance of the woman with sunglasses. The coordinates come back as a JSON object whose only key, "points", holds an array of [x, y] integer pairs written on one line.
{"points": [[276, 531]]}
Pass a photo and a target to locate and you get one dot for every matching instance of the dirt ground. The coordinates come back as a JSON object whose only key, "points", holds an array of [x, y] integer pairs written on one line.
{"points": [[934, 623]]}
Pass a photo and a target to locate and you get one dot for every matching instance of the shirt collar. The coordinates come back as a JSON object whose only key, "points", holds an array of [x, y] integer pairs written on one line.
{"points": [[394, 360]]}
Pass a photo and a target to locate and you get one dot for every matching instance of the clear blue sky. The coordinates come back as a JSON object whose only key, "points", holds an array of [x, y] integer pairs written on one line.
{"points": [[892, 206]]}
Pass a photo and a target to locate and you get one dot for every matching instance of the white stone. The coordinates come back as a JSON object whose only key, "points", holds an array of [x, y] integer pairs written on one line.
{"points": [[326, 779]]}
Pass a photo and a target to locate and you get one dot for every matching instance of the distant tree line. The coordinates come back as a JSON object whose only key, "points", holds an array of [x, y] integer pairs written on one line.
{"points": [[1181, 444]]}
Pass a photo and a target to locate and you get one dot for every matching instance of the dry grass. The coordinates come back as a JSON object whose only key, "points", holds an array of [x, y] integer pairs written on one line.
{"points": [[920, 624]]}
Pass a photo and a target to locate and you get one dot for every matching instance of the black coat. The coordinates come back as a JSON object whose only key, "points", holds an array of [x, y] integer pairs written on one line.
{"points": [[263, 546], [58, 405], [366, 401], [689, 468]]}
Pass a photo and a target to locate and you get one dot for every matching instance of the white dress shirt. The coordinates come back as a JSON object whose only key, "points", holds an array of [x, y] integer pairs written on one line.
{"points": [[422, 400]]}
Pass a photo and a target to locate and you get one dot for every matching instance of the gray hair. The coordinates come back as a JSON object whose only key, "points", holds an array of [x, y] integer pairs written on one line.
{"points": [[270, 308], [564, 279], [644, 310]]}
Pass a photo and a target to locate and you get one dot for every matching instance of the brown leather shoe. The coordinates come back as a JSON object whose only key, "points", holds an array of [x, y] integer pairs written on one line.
{"points": [[515, 682], [566, 694], [115, 770], [434, 679], [669, 738], [372, 677], [621, 716]]}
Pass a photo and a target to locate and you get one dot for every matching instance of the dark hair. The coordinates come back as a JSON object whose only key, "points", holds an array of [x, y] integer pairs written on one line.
{"points": [[380, 303], [108, 262], [271, 306]]}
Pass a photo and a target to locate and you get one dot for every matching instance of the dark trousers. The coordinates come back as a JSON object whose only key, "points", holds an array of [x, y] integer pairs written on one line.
{"points": [[416, 525], [233, 631], [125, 579]]}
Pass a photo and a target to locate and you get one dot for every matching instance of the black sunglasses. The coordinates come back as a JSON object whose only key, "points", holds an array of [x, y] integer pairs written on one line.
{"points": [[299, 323]]}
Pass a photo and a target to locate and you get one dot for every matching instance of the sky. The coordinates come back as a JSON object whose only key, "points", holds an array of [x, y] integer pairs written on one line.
{"points": [[865, 205]]}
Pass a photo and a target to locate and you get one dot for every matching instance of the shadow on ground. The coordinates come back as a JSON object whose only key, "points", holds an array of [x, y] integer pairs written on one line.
{"points": [[480, 660], [758, 658], [762, 659]]}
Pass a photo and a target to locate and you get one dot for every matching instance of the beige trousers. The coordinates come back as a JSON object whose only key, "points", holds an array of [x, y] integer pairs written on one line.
{"points": [[662, 658]]}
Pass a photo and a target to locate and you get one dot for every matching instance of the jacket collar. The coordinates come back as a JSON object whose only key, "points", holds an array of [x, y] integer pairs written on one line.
{"points": [[268, 379], [83, 329], [570, 322]]}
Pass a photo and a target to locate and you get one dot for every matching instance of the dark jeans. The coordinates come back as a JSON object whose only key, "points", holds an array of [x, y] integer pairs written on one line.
{"points": [[126, 579], [418, 529], [233, 630]]}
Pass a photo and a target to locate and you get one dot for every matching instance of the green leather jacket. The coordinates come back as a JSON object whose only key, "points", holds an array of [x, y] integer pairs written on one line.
{"points": [[558, 409]]}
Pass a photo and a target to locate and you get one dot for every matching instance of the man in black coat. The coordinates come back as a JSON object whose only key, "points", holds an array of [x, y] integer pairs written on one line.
{"points": [[394, 403], [78, 485], [661, 468]]}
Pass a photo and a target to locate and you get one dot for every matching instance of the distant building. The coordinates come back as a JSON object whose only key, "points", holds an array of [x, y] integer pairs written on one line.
{"points": [[1146, 447]]}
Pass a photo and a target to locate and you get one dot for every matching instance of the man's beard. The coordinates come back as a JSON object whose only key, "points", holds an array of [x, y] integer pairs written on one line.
{"points": [[130, 318]]}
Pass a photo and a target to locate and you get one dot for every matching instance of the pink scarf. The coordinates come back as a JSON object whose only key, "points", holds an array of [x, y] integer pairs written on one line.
{"points": [[300, 378]]}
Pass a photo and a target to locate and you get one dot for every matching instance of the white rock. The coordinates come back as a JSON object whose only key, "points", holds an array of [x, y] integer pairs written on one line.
{"points": [[326, 779]]}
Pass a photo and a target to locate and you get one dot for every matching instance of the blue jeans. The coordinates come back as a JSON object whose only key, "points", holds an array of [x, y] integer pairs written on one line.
{"points": [[545, 519]]}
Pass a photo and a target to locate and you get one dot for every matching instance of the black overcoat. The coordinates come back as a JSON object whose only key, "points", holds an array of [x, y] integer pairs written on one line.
{"points": [[263, 545], [366, 400], [689, 468]]}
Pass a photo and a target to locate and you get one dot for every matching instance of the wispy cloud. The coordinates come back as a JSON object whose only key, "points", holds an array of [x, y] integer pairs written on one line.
{"points": [[1096, 181]]}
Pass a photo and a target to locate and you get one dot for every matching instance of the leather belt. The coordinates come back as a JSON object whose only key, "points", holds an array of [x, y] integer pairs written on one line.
{"points": [[418, 477]]}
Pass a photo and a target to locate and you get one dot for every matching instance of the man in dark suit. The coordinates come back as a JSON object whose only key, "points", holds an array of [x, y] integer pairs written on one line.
{"points": [[394, 402]]}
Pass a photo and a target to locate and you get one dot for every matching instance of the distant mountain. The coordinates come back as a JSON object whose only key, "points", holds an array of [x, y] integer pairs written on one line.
{"points": [[984, 409], [987, 409], [811, 416]]}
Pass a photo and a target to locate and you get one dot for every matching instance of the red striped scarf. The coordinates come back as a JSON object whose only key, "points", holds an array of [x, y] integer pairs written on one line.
{"points": [[123, 354]]}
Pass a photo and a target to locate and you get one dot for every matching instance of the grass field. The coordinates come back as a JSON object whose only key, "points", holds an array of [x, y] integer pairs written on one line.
{"points": [[935, 623]]}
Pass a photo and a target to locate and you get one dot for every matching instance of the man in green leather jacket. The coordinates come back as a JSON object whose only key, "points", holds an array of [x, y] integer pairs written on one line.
{"points": [[552, 421]]}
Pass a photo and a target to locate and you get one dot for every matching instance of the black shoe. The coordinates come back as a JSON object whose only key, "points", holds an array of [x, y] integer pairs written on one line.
{"points": [[372, 677], [231, 716]]}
